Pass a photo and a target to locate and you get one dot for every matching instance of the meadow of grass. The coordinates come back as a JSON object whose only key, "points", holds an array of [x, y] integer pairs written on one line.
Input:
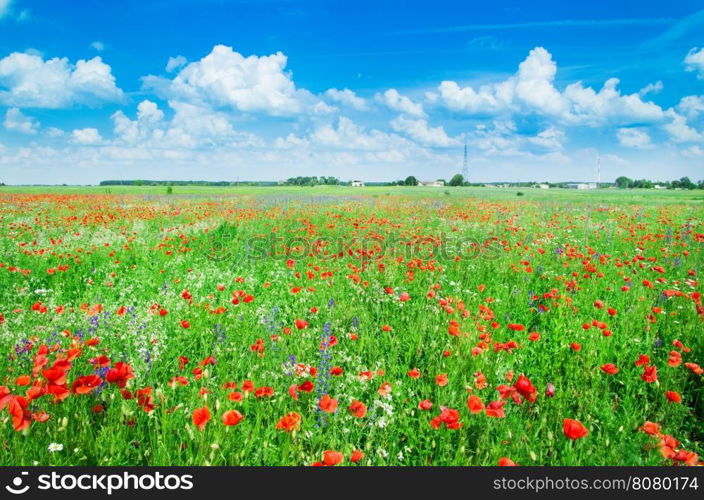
{"points": [[367, 326]]}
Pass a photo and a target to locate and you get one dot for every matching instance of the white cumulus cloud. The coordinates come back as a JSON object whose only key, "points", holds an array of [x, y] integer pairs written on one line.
{"points": [[86, 136], [419, 131], [15, 121], [175, 63], [679, 129], [531, 92], [691, 105], [347, 135], [551, 138], [651, 88], [348, 98], [397, 102], [226, 79], [634, 138], [695, 61], [27, 80]]}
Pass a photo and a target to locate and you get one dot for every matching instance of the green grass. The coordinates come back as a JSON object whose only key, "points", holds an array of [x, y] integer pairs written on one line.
{"points": [[199, 237], [647, 196]]}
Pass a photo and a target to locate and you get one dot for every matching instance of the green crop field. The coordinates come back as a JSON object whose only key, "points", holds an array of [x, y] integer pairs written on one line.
{"points": [[367, 326]]}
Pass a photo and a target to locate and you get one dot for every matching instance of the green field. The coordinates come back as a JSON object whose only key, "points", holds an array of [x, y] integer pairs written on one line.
{"points": [[135, 323]]}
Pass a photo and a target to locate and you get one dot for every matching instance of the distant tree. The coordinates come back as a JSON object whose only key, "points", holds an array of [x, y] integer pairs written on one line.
{"points": [[684, 183], [411, 181], [624, 182], [457, 180], [642, 183]]}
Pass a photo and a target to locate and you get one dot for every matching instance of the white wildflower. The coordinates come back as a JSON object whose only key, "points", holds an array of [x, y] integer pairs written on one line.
{"points": [[55, 447]]}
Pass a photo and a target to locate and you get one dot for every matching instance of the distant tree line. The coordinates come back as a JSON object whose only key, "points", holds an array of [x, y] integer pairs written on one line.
{"points": [[682, 183], [410, 181], [457, 180], [312, 181]]}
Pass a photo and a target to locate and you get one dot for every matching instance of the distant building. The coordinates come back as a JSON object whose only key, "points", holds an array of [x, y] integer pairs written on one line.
{"points": [[542, 186], [580, 185], [357, 184], [432, 183]]}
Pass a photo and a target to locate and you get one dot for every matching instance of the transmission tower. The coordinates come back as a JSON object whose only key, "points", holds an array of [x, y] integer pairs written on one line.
{"points": [[465, 164], [598, 170]]}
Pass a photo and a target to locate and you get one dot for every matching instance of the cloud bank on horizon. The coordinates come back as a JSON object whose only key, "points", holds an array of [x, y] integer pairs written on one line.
{"points": [[227, 113]]}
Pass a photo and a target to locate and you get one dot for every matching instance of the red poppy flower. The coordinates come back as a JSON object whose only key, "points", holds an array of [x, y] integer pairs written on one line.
{"points": [[358, 409], [232, 417], [673, 397], [328, 404], [426, 404], [643, 360], [449, 417], [573, 429], [289, 422], [674, 359], [201, 416], [651, 428], [120, 374], [306, 386], [264, 392], [609, 368], [475, 405], [17, 407], [332, 458], [495, 409], [525, 388], [695, 368], [84, 385], [650, 374]]}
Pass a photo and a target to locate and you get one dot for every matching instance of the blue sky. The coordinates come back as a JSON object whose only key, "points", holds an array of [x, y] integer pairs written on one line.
{"points": [[220, 90]]}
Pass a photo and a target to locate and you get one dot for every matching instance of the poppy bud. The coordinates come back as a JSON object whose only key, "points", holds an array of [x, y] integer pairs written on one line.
{"points": [[550, 390]]}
